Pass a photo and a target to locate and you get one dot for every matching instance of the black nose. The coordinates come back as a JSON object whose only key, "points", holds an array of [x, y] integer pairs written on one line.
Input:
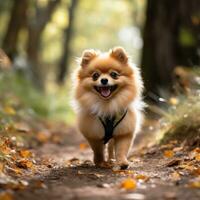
{"points": [[104, 81]]}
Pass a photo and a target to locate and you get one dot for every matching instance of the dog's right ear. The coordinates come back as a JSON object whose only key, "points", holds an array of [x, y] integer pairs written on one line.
{"points": [[87, 56]]}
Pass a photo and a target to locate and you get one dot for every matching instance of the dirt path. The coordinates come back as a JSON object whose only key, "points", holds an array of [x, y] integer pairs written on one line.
{"points": [[64, 172]]}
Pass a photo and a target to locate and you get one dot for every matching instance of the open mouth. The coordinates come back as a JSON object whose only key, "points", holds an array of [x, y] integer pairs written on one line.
{"points": [[105, 91]]}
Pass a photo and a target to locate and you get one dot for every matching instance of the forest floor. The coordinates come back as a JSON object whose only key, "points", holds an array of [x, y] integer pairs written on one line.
{"points": [[57, 166]]}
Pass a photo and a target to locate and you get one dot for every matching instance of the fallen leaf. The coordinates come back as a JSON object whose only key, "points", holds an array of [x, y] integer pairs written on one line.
{"points": [[128, 184], [195, 184], [175, 176], [197, 150], [9, 110], [196, 172], [197, 157], [168, 153], [73, 161], [173, 162], [5, 149], [25, 153], [142, 177], [15, 170], [187, 167], [123, 172], [6, 196], [24, 163], [83, 146]]}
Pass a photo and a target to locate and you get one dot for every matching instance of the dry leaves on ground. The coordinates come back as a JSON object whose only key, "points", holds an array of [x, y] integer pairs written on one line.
{"points": [[128, 184]]}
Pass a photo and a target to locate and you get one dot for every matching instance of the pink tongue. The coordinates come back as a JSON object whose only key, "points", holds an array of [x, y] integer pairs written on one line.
{"points": [[105, 92]]}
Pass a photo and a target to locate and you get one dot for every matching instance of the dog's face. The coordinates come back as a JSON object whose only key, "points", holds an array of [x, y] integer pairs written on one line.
{"points": [[106, 82]]}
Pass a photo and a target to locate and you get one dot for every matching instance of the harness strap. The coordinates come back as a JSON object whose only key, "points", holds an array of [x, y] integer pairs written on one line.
{"points": [[109, 124]]}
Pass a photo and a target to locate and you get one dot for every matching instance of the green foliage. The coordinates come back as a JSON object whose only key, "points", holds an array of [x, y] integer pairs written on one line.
{"points": [[17, 91], [98, 24], [186, 38]]}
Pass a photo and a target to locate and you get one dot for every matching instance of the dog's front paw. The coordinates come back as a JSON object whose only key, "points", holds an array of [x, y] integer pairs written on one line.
{"points": [[122, 165]]}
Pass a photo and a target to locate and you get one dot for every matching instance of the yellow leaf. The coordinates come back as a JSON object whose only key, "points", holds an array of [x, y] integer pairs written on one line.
{"points": [[83, 146], [17, 170], [195, 184], [129, 171], [9, 110], [142, 177], [187, 167], [5, 150], [128, 184], [123, 172], [6, 196], [168, 153], [175, 176], [25, 153], [197, 157]]}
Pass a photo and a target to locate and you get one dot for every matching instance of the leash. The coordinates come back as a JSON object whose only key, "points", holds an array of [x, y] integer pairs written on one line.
{"points": [[109, 124]]}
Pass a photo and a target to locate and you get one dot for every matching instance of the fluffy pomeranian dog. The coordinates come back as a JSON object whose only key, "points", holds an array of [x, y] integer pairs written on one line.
{"points": [[108, 91]]}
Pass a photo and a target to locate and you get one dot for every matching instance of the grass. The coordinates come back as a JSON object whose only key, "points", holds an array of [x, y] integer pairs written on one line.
{"points": [[183, 120]]}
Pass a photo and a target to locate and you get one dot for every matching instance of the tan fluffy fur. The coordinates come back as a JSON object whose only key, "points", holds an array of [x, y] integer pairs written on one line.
{"points": [[91, 104]]}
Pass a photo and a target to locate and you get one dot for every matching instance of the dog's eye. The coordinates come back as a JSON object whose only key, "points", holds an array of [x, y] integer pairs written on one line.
{"points": [[95, 76], [114, 75]]}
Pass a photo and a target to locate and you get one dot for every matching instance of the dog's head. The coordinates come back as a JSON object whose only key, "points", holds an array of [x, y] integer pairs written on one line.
{"points": [[107, 82]]}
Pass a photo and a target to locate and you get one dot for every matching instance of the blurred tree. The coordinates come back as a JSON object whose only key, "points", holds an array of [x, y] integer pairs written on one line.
{"points": [[171, 38], [36, 26], [17, 21], [68, 33]]}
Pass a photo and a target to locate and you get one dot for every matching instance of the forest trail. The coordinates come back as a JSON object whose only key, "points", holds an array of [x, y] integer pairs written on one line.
{"points": [[63, 171]]}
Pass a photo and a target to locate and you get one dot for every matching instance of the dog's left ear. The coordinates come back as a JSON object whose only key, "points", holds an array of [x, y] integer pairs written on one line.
{"points": [[119, 54]]}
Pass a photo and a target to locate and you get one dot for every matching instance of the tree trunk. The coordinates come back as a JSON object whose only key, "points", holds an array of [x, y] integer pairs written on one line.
{"points": [[68, 33], [163, 49], [17, 21], [35, 29]]}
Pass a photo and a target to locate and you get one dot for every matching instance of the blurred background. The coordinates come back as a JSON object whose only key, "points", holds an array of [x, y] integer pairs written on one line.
{"points": [[41, 39]]}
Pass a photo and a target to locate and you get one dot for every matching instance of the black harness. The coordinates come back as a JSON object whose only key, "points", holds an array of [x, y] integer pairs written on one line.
{"points": [[110, 123]]}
